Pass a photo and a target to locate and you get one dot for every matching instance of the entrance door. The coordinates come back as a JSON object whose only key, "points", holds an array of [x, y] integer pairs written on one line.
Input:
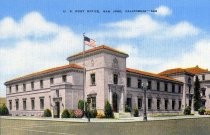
{"points": [[114, 102], [57, 105]]}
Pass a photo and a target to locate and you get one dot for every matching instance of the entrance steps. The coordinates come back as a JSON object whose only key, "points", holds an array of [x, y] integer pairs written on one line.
{"points": [[122, 115]]}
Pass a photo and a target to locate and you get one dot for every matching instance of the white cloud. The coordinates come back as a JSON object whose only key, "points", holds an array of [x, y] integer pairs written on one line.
{"points": [[145, 26], [196, 56], [163, 11], [30, 54]]}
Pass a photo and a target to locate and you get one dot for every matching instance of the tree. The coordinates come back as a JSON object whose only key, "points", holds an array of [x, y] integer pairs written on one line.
{"points": [[65, 114], [197, 96], [108, 110], [3, 110], [47, 113]]}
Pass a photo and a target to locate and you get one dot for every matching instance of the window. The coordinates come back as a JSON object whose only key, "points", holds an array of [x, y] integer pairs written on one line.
{"points": [[166, 104], [173, 104], [203, 103], [64, 78], [180, 104], [10, 104], [158, 86], [173, 88], [149, 103], [93, 79], [128, 82], [32, 85], [51, 80], [41, 103], [139, 83], [24, 87], [180, 88], [129, 103], [16, 86], [149, 85], [158, 104], [17, 104], [41, 83], [203, 77], [24, 104], [57, 93], [203, 90], [10, 89], [139, 103], [93, 102], [115, 79], [32, 104], [166, 87]]}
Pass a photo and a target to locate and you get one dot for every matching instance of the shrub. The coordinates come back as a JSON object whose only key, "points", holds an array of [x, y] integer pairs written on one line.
{"points": [[207, 112], [72, 114], [187, 110], [65, 114], [100, 115], [47, 113], [93, 113], [78, 113], [201, 111], [108, 110], [81, 105], [3, 110], [127, 108], [136, 112]]}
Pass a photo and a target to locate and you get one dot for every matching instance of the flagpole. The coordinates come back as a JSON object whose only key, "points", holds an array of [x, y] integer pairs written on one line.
{"points": [[84, 72]]}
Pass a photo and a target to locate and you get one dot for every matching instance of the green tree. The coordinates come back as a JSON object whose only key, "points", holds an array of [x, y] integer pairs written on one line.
{"points": [[108, 110], [3, 110], [197, 96]]}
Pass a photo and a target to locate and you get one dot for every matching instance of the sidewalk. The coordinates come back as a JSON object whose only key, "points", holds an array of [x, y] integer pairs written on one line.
{"points": [[132, 119]]}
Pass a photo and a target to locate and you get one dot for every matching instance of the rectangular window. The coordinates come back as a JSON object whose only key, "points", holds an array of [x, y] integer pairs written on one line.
{"points": [[128, 82], [93, 79], [158, 86], [129, 102], [180, 104], [173, 104], [115, 79], [41, 103], [93, 102], [10, 104], [41, 83], [51, 80], [180, 88], [149, 85], [24, 87], [32, 85], [173, 88], [57, 93], [32, 104], [158, 104], [139, 83], [10, 89], [64, 78], [166, 87], [17, 104], [24, 104], [203, 77], [149, 103], [166, 104], [139, 103], [16, 86]]}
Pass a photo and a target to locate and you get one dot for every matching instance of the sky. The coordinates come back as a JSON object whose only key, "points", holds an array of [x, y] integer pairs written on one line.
{"points": [[36, 34]]}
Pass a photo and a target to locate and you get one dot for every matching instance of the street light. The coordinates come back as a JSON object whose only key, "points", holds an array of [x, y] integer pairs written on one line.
{"points": [[144, 86]]}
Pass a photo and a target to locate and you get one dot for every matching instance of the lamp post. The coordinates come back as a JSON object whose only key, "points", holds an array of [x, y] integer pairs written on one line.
{"points": [[144, 86]]}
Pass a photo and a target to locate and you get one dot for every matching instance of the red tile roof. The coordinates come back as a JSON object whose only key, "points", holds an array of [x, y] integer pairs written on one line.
{"points": [[192, 70], [151, 75], [74, 66], [101, 47]]}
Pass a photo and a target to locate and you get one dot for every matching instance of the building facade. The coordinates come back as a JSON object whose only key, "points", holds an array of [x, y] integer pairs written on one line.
{"points": [[107, 78]]}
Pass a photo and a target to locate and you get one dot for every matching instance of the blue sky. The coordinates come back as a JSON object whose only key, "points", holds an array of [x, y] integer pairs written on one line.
{"points": [[35, 34]]}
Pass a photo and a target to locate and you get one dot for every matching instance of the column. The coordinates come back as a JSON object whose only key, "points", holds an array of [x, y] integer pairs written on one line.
{"points": [[122, 101], [110, 96]]}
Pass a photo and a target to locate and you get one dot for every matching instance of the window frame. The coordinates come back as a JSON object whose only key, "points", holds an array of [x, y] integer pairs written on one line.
{"points": [[93, 79]]}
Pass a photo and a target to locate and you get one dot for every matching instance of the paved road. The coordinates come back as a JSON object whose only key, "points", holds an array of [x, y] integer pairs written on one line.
{"points": [[197, 126]]}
